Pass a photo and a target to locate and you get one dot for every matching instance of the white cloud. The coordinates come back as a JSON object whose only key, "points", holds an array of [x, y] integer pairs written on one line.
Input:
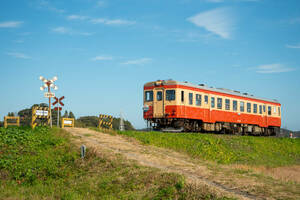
{"points": [[141, 61], [49, 6], [218, 21], [112, 21], [102, 58], [273, 68], [10, 24], [76, 17], [68, 31], [18, 55], [101, 3], [293, 46], [61, 30]]}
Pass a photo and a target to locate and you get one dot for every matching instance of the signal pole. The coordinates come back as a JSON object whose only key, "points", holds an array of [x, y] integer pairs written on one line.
{"points": [[49, 84]]}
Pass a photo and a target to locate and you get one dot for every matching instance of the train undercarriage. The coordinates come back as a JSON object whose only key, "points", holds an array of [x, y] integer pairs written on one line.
{"points": [[191, 125]]}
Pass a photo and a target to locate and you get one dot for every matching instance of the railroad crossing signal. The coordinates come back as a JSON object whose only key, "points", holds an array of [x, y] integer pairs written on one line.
{"points": [[58, 101]]}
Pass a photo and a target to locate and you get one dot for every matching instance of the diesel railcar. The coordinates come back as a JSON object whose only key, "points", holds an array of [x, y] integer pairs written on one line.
{"points": [[187, 107]]}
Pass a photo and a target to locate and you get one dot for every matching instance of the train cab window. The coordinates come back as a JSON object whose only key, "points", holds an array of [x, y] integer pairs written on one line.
{"points": [[159, 95], [198, 99], [274, 109], [191, 98], [227, 104], [219, 103], [212, 102], [279, 111], [206, 99], [242, 106], [234, 104], [264, 108], [249, 107], [182, 96], [269, 110], [149, 96], [260, 109], [170, 95], [254, 108]]}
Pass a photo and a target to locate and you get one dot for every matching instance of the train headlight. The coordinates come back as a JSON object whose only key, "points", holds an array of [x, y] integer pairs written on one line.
{"points": [[145, 108]]}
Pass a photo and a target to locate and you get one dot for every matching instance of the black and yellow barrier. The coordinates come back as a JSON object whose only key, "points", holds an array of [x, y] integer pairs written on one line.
{"points": [[40, 115], [105, 121]]}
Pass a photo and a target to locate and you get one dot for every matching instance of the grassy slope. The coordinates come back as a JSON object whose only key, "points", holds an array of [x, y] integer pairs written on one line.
{"points": [[226, 149], [43, 164]]}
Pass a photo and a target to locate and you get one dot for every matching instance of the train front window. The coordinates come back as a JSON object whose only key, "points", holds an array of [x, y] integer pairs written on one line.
{"points": [[213, 102], [170, 95], [182, 96], [227, 104], [269, 110], [149, 96], [159, 96], [219, 103], [279, 111], [191, 98], [234, 103], [264, 108], [242, 106], [198, 99], [255, 108], [249, 107]]}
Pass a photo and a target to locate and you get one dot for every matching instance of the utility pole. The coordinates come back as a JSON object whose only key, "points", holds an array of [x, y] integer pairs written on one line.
{"points": [[49, 84], [121, 127]]}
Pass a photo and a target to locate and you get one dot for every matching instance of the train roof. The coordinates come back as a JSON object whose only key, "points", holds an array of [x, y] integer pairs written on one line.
{"points": [[204, 87]]}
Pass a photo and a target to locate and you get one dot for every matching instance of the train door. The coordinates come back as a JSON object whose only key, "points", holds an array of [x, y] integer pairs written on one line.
{"points": [[158, 103]]}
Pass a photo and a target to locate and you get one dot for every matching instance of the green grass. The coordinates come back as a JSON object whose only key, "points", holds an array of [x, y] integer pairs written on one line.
{"points": [[226, 149], [44, 164]]}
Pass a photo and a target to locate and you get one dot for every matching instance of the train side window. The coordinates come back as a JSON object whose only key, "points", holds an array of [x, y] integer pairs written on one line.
{"points": [[182, 96], [191, 98], [269, 110], [249, 107], [206, 99], [170, 95], [254, 108], [234, 104], [149, 96], [219, 103], [159, 95], [260, 109], [213, 102], [264, 108], [242, 106], [274, 109], [279, 111], [198, 99], [227, 104]]}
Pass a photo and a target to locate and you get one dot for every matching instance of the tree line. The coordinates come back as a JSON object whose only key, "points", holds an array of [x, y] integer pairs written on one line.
{"points": [[85, 121]]}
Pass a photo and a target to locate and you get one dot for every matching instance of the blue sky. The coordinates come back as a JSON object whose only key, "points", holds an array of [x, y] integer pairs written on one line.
{"points": [[104, 51]]}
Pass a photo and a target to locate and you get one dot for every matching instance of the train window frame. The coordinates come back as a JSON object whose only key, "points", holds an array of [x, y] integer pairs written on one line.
{"points": [[206, 99], [227, 104], [249, 107], [182, 96], [172, 96], [242, 106], [161, 96], [260, 109], [190, 98], [198, 99], [269, 110], [219, 103], [254, 108], [234, 105], [150, 96], [212, 102]]}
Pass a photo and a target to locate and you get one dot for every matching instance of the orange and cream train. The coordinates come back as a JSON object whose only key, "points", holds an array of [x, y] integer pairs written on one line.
{"points": [[188, 107]]}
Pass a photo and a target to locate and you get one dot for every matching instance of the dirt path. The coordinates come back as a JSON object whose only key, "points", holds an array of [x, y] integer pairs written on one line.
{"points": [[221, 181]]}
